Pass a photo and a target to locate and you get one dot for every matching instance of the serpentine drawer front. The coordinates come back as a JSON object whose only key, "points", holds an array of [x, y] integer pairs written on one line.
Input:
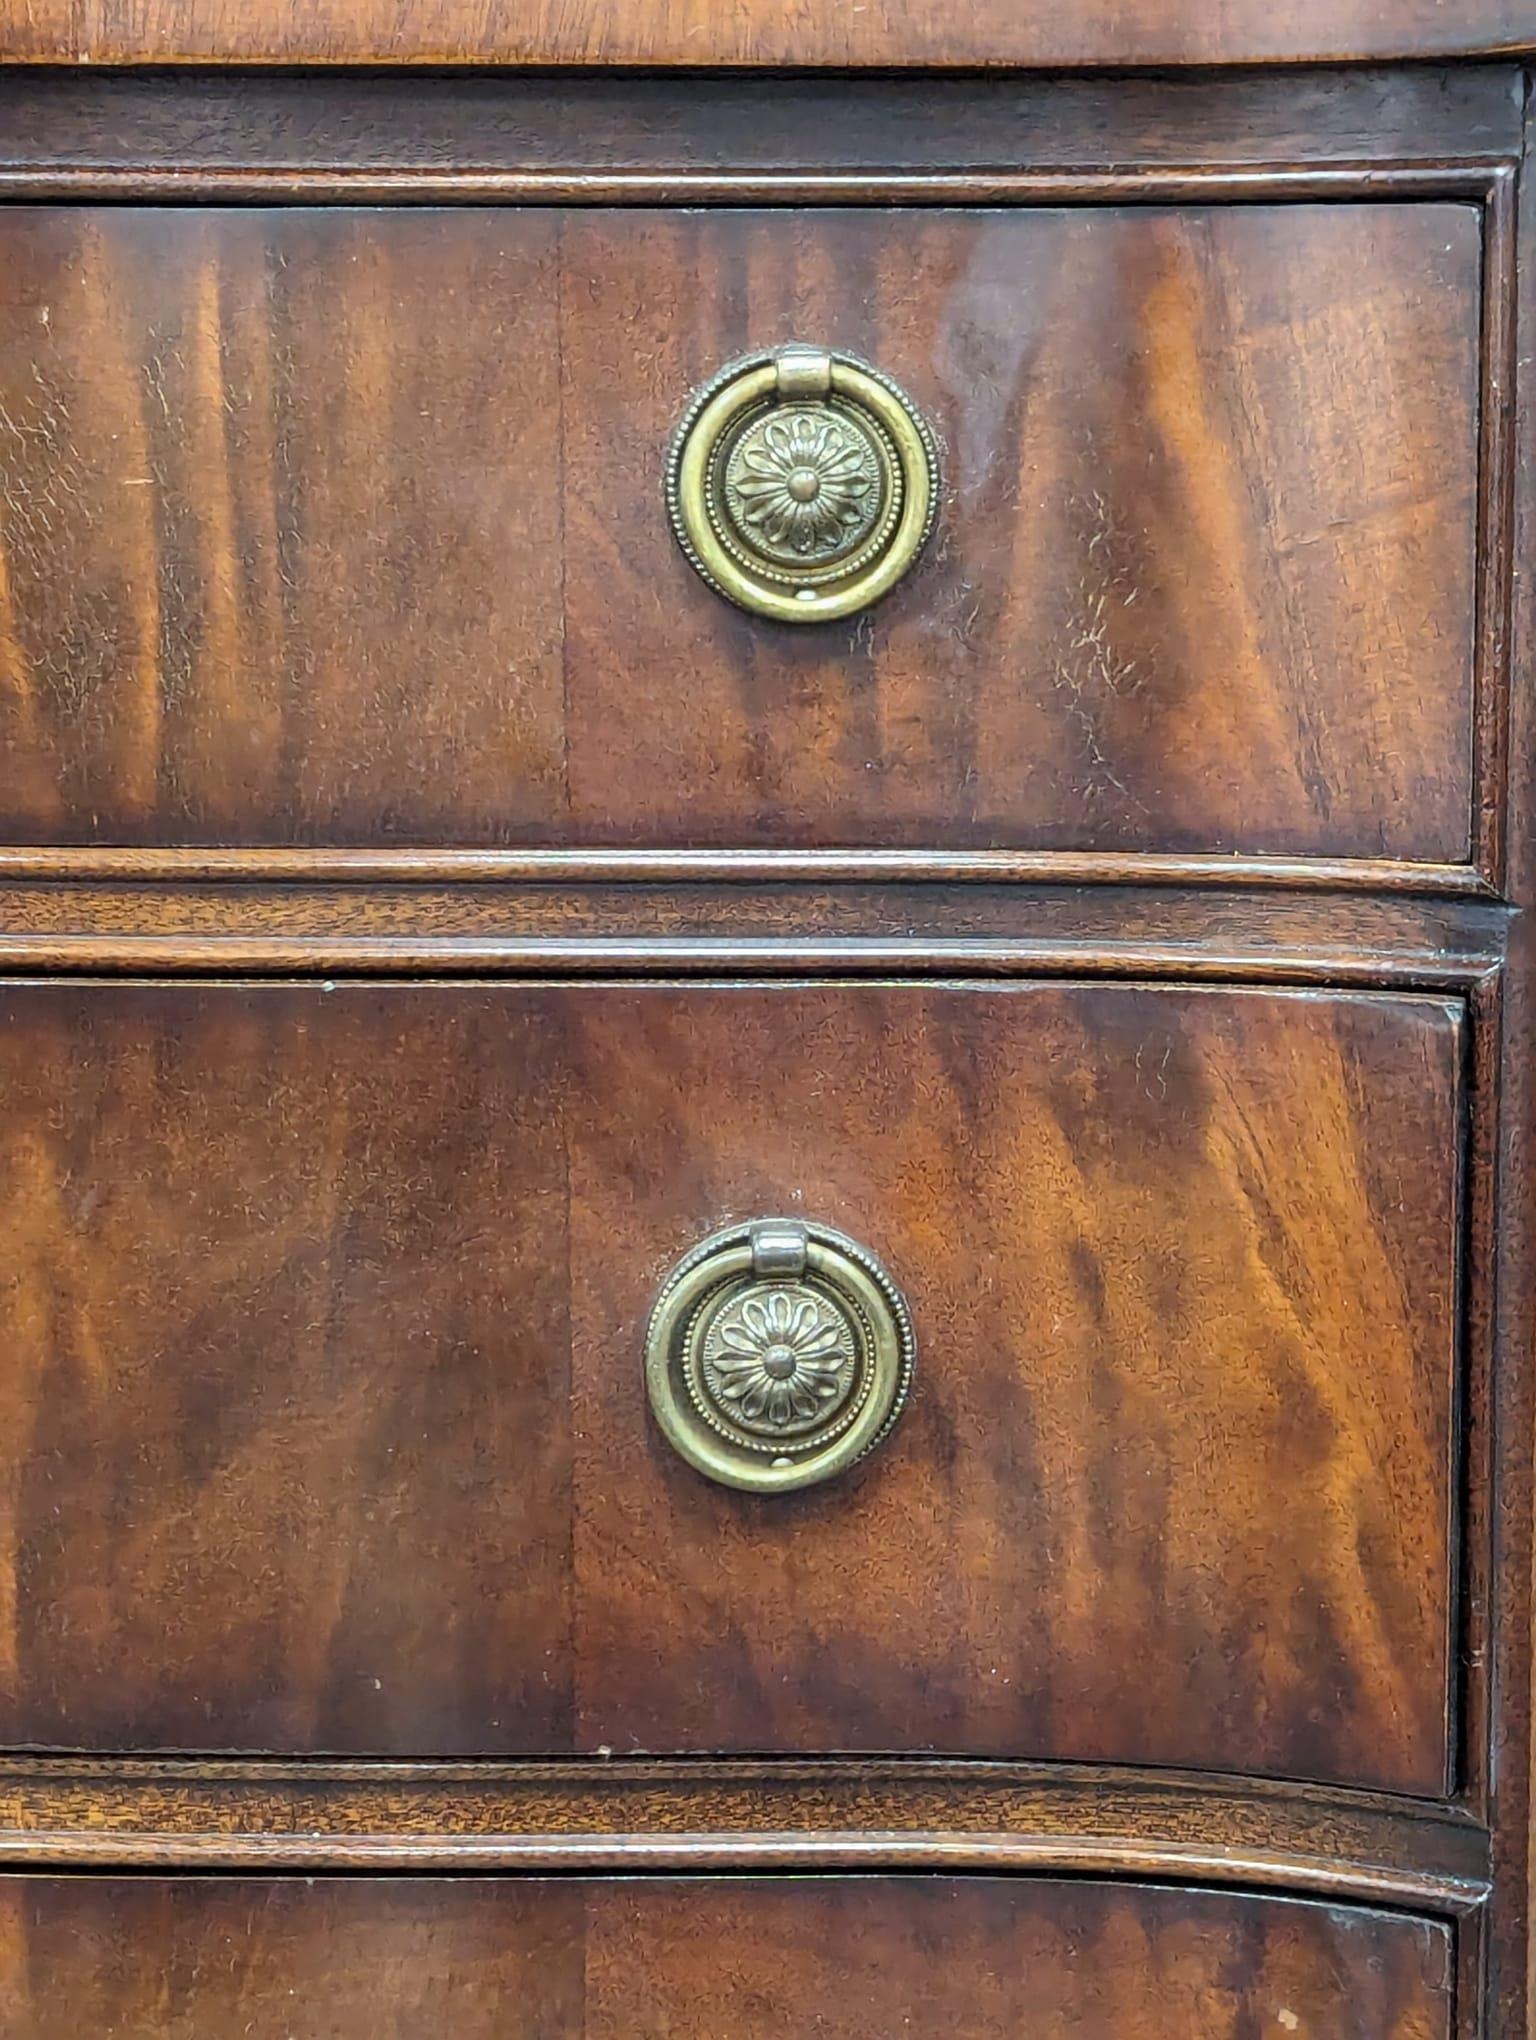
{"points": [[767, 833], [1201, 576], [591, 1960], [330, 1429]]}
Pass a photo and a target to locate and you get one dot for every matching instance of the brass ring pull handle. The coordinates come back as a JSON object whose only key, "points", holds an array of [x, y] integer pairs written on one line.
{"points": [[802, 484], [777, 1355]]}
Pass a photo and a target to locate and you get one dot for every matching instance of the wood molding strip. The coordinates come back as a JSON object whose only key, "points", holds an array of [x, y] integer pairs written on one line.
{"points": [[214, 120], [1492, 655], [813, 1849], [628, 928], [737, 1816], [335, 158], [1474, 1558], [1158, 184], [720, 957], [452, 867]]}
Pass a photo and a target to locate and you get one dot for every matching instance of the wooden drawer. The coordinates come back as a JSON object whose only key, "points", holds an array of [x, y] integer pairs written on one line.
{"points": [[334, 1959], [323, 1423], [455, 968], [344, 527]]}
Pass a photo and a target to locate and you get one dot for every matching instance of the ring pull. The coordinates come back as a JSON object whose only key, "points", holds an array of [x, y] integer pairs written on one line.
{"points": [[802, 484], [778, 1354]]}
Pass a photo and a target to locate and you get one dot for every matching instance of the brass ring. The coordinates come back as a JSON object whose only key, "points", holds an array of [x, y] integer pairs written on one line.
{"points": [[778, 1354], [841, 490]]}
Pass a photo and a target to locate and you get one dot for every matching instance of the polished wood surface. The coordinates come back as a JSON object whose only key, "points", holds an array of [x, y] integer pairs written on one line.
{"points": [[321, 1301], [199, 624], [640, 1815], [1414, 126], [288, 1374], [1082, 1962], [411, 1959], [1303, 927], [162, 1959], [1148, 532], [324, 1426], [1174, 1332], [756, 32], [1205, 580]]}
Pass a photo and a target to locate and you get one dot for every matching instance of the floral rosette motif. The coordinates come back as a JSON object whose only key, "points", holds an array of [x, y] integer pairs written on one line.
{"points": [[804, 486], [780, 1361]]}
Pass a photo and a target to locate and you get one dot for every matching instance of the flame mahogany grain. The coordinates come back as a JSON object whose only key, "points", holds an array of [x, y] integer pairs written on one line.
{"points": [[1128, 932], [323, 1425], [415, 1958], [1205, 579]]}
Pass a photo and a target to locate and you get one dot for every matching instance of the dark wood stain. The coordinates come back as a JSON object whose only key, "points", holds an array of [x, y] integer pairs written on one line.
{"points": [[288, 1374], [307, 1281], [272, 1960], [411, 1959], [1179, 601], [1422, 119], [692, 1814], [1126, 931], [754, 32], [1155, 1362], [204, 621]]}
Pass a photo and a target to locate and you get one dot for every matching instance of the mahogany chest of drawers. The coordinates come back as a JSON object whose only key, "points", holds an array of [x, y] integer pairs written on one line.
{"points": [[766, 1014]]}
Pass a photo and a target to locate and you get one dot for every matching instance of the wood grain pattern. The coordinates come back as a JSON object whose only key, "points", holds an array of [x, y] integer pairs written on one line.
{"points": [[290, 1960], [286, 1394], [1423, 120], [1117, 641], [1502, 1997], [233, 1331], [286, 1454], [703, 32], [992, 1961], [1140, 931], [1118, 1209], [1206, 580], [773, 1814], [413, 1958], [199, 622], [581, 868]]}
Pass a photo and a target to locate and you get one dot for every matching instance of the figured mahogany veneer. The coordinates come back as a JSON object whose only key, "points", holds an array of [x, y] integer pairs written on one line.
{"points": [[596, 1960], [1204, 581], [324, 1426], [449, 912]]}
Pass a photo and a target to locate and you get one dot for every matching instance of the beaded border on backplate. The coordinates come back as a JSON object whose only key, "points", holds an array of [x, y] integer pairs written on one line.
{"points": [[706, 393], [822, 1235]]}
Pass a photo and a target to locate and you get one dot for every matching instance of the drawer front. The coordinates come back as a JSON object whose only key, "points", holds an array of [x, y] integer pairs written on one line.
{"points": [[324, 1426], [1203, 577], [639, 1960]]}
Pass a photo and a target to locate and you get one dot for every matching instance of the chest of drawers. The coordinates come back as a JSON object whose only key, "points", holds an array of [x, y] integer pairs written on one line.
{"points": [[765, 1024]]}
